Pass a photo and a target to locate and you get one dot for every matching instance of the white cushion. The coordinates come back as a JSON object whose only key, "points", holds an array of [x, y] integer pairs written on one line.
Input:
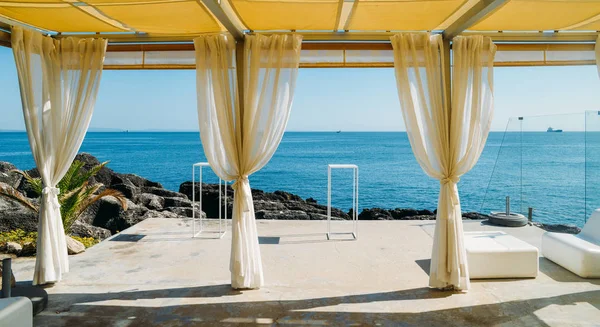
{"points": [[16, 312], [499, 255], [576, 253]]}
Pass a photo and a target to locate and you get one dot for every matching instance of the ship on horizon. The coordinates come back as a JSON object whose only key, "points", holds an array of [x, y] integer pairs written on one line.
{"points": [[552, 130]]}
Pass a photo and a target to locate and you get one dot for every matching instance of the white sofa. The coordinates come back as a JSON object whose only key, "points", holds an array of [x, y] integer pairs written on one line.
{"points": [[578, 253], [499, 255], [16, 312]]}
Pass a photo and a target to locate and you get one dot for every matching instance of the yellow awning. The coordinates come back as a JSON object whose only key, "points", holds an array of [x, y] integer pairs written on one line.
{"points": [[385, 15], [147, 16], [62, 19], [186, 18], [181, 17], [542, 15], [287, 14]]}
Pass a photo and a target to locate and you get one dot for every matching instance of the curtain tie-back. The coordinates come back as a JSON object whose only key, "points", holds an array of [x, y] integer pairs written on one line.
{"points": [[53, 192], [454, 179], [238, 187], [448, 181], [239, 180]]}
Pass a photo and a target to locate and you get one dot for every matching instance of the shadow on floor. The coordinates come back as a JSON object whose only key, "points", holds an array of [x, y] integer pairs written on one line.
{"points": [[307, 238], [547, 267], [84, 309], [425, 264], [561, 274]]}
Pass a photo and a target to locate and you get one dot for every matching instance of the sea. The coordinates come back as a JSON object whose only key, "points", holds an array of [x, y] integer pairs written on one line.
{"points": [[556, 174]]}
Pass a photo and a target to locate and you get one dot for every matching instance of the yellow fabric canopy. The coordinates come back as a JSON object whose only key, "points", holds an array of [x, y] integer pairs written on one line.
{"points": [[287, 14], [189, 17], [147, 16], [401, 15], [541, 15]]}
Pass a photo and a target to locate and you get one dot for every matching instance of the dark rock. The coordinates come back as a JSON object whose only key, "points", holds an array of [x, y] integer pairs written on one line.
{"points": [[82, 229], [185, 212], [89, 214], [318, 216], [29, 249], [282, 215], [160, 214], [311, 200], [8, 176], [288, 196], [176, 202], [74, 246], [134, 179], [129, 190], [104, 176], [210, 198], [403, 213], [270, 205], [375, 214], [558, 228], [261, 205], [16, 216], [25, 187], [162, 192], [112, 216], [13, 248], [474, 215], [151, 201]]}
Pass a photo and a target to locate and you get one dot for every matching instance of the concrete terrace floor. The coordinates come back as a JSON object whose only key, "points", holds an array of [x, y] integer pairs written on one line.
{"points": [[155, 274]]}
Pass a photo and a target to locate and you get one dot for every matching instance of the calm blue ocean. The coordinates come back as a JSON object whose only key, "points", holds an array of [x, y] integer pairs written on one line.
{"points": [[546, 171]]}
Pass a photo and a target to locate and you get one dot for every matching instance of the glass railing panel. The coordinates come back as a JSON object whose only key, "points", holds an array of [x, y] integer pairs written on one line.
{"points": [[553, 181], [592, 162], [505, 177]]}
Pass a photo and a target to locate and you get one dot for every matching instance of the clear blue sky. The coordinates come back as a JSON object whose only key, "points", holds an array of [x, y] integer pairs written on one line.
{"points": [[325, 100]]}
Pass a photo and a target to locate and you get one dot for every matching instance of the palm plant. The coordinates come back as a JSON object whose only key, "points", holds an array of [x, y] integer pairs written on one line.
{"points": [[76, 194]]}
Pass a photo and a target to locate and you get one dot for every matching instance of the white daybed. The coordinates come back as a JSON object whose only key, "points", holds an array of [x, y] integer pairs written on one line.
{"points": [[578, 253], [499, 255], [16, 312]]}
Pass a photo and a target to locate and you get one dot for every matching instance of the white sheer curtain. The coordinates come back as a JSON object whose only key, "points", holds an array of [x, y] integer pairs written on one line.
{"points": [[240, 140], [59, 81], [446, 140]]}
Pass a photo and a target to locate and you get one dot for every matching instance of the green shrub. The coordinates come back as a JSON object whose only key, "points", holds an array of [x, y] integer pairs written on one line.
{"points": [[17, 236], [75, 196], [87, 241], [22, 237]]}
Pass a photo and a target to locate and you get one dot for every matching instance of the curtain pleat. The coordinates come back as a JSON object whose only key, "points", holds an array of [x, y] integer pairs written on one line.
{"points": [[59, 81], [240, 136], [446, 140]]}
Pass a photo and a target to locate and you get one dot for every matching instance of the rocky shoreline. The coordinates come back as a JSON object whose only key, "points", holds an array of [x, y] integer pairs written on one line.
{"points": [[148, 199]]}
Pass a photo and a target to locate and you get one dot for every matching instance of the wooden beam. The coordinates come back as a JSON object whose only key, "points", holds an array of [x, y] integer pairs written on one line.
{"points": [[351, 37], [381, 46], [5, 39], [538, 37], [472, 16], [150, 47], [215, 8]]}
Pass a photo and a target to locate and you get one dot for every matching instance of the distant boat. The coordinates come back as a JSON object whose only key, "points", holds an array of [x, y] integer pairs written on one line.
{"points": [[338, 131], [552, 130]]}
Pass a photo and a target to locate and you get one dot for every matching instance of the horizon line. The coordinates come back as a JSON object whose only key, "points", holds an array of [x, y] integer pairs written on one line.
{"points": [[293, 131]]}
